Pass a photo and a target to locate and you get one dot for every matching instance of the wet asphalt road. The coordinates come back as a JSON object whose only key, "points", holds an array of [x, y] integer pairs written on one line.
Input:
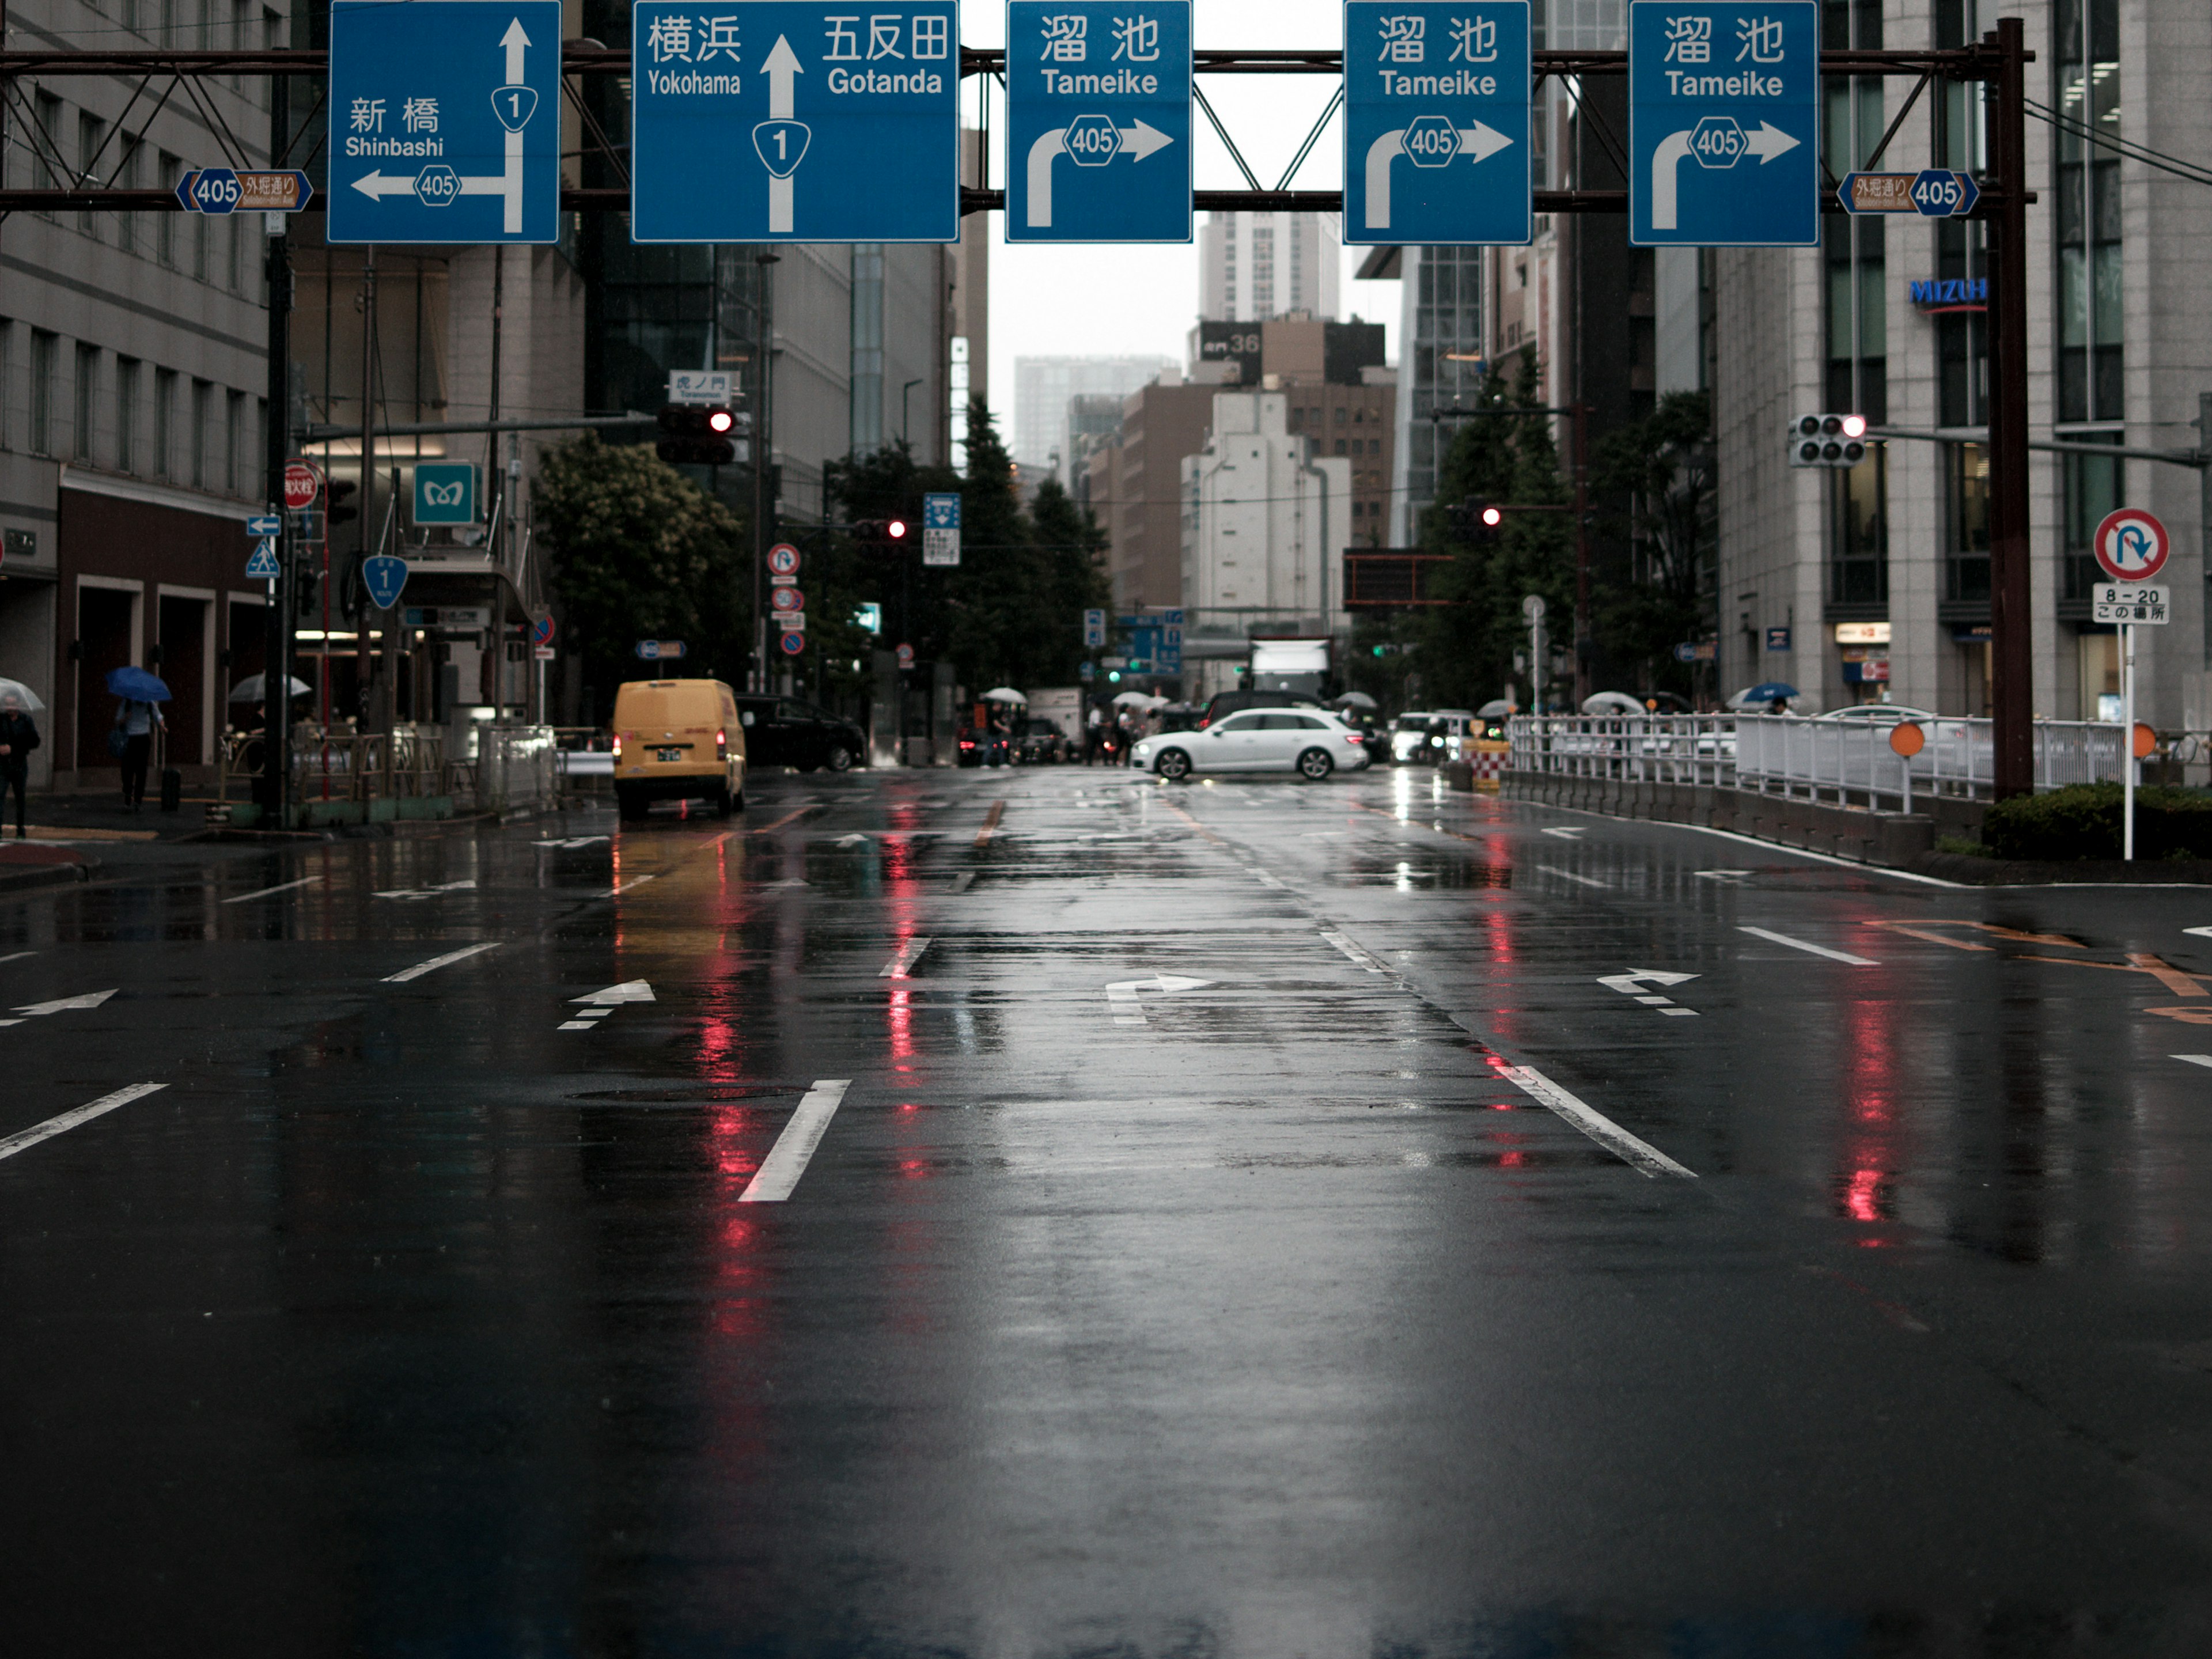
{"points": [[1251, 1218]]}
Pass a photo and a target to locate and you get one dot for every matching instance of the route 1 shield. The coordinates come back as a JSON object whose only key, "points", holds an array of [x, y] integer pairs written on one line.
{"points": [[1098, 134], [1435, 122], [1723, 124]]}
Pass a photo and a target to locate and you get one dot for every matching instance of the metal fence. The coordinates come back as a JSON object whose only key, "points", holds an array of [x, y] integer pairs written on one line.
{"points": [[1847, 761]]}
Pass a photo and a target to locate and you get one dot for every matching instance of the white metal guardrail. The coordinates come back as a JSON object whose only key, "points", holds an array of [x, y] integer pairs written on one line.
{"points": [[1848, 762]]}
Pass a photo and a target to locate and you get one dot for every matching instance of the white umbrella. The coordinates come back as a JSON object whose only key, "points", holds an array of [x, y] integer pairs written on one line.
{"points": [[8, 688], [249, 689], [1133, 698], [1004, 693], [1613, 702]]}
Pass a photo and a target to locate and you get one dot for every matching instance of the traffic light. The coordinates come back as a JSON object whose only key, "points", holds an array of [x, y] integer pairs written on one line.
{"points": [[335, 493], [696, 435], [1827, 441], [882, 535], [1476, 522]]}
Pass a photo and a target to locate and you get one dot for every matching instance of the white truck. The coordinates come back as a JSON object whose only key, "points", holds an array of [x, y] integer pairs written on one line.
{"points": [[1063, 705], [1291, 664]]}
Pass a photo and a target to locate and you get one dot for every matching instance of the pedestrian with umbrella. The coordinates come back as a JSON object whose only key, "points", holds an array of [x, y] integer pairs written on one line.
{"points": [[19, 736], [137, 717]]}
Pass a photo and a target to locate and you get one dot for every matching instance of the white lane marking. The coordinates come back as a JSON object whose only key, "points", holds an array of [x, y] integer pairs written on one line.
{"points": [[1691, 1014], [1720, 875], [1587, 881], [466, 882], [1646, 1157], [280, 887], [1660, 1002], [622, 887], [436, 963], [910, 953], [1806, 944], [1267, 880], [964, 881], [18, 955], [573, 840], [1628, 981], [76, 1115], [1121, 995], [2195, 1059], [2201, 933], [630, 990], [855, 839], [788, 1159], [1566, 835], [1353, 952], [62, 1005]]}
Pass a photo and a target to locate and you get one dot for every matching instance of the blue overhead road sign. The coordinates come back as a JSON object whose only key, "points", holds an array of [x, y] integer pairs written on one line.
{"points": [[445, 121], [1098, 121], [1435, 122], [1723, 124], [771, 120]]}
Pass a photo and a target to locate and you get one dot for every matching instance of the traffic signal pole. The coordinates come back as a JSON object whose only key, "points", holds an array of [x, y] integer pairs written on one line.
{"points": [[2012, 626], [277, 621]]}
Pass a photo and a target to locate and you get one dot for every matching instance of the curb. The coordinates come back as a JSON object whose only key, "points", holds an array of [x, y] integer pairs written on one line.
{"points": [[32, 877]]}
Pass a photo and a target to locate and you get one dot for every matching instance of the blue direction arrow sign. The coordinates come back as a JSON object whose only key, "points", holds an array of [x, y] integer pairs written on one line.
{"points": [[1723, 124], [383, 575], [445, 121], [776, 121], [266, 524], [1096, 91], [1435, 122], [263, 565]]}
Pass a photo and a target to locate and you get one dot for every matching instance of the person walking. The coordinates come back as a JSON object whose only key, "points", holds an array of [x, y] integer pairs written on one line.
{"points": [[19, 736], [138, 721]]}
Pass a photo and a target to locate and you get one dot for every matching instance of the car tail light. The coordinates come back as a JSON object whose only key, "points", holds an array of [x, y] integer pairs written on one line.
{"points": [[1205, 722], [722, 745], [617, 745], [1354, 740]]}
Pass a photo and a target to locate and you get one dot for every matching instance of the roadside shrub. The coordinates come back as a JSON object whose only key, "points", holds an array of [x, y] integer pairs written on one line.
{"points": [[2083, 822]]}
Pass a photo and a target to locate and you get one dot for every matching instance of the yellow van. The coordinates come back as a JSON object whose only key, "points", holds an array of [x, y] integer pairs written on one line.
{"points": [[677, 740]]}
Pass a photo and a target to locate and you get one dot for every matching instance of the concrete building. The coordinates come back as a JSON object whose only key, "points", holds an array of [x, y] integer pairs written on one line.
{"points": [[1253, 266], [1832, 581], [1135, 488], [132, 384], [1264, 524], [1094, 422], [1044, 387]]}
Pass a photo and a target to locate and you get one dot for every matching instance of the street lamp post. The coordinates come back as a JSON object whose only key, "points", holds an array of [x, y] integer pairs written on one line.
{"points": [[763, 497]]}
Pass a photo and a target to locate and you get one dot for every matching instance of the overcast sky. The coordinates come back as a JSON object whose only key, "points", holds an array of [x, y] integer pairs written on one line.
{"points": [[1082, 300]]}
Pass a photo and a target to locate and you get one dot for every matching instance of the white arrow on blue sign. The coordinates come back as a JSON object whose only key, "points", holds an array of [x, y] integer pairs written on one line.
{"points": [[1099, 96], [384, 576], [1723, 124], [266, 524], [458, 99], [779, 120], [1435, 122]]}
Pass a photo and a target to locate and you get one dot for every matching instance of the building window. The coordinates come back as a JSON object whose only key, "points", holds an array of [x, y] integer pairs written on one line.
{"points": [[46, 350], [128, 176], [1966, 544], [50, 175], [233, 442], [127, 458], [2087, 41], [87, 387], [202, 413], [867, 360], [161, 460], [91, 135], [2094, 486], [1858, 561], [165, 224]]}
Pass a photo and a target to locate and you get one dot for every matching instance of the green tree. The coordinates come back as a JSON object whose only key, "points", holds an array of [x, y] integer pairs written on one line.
{"points": [[1661, 468], [1071, 555], [639, 551]]}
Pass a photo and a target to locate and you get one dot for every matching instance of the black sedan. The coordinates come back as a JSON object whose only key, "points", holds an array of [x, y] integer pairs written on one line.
{"points": [[785, 732]]}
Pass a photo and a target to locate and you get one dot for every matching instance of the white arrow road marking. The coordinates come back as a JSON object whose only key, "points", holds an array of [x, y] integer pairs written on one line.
{"points": [[788, 1159], [1380, 155], [1817, 950], [602, 1003], [1121, 995], [436, 963], [1769, 142], [855, 839], [2194, 1060], [1666, 161], [76, 1115], [61, 1005], [1647, 1159], [781, 66], [1629, 982], [280, 887], [898, 966], [1047, 145]]}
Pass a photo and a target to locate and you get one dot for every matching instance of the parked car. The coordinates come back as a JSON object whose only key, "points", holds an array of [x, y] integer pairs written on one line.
{"points": [[677, 740], [1041, 742], [982, 745], [1309, 741], [785, 732], [1226, 703]]}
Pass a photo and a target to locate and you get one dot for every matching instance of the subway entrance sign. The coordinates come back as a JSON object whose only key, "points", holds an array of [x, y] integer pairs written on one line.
{"points": [[1098, 121], [767, 120], [1435, 122], [1724, 134]]}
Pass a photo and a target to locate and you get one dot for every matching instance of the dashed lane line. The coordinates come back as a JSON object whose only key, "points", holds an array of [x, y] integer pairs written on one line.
{"points": [[1808, 945], [1647, 1159], [788, 1159], [1587, 881], [436, 963], [24, 1139], [900, 966], [280, 887]]}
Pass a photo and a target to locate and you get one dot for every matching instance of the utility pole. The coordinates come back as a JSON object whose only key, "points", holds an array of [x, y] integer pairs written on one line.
{"points": [[2012, 620], [276, 622], [363, 687], [763, 483], [1585, 641]]}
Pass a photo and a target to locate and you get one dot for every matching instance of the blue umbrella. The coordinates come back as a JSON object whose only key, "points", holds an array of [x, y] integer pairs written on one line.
{"points": [[1766, 692], [136, 685]]}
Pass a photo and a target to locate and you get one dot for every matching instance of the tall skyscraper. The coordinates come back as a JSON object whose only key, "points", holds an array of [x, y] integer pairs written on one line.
{"points": [[1043, 385], [1253, 266]]}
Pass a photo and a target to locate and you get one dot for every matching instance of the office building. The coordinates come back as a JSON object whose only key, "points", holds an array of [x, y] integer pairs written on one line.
{"points": [[1044, 386], [1253, 266]]}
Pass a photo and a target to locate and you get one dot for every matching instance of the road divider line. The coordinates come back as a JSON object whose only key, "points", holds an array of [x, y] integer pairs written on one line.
{"points": [[788, 1159], [910, 953], [2195, 1059], [436, 963], [1352, 950], [280, 887], [1646, 1158], [990, 823], [67, 1120], [17, 956], [622, 887], [1808, 945], [788, 818], [1587, 881]]}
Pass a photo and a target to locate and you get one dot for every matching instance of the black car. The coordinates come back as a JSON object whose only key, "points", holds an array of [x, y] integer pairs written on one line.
{"points": [[1041, 741], [785, 732], [1226, 703]]}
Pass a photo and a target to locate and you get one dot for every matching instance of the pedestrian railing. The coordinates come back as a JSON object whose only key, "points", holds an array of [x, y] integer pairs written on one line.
{"points": [[1847, 761]]}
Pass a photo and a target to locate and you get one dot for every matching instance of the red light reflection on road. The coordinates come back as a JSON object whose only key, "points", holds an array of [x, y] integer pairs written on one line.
{"points": [[1870, 1155]]}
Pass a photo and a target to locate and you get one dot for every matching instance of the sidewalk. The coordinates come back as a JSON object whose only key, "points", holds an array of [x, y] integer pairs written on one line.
{"points": [[103, 817]]}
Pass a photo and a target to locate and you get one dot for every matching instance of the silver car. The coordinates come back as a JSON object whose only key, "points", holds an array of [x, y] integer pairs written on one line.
{"points": [[1307, 741]]}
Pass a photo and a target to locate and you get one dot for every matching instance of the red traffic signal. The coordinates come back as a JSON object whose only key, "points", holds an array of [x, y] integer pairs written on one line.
{"points": [[695, 435], [881, 533]]}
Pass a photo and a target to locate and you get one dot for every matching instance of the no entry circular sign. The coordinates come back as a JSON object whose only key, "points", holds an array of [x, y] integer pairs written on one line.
{"points": [[2130, 545]]}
